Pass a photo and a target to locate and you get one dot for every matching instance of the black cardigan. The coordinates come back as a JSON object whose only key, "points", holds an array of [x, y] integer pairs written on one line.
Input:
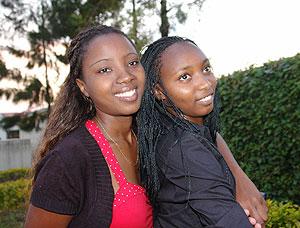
{"points": [[73, 179]]}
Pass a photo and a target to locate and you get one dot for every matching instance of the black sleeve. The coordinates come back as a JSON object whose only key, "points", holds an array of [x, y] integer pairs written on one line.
{"points": [[200, 180], [56, 188]]}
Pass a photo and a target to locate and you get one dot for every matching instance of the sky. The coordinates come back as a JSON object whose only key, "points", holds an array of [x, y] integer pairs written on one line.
{"points": [[234, 34]]}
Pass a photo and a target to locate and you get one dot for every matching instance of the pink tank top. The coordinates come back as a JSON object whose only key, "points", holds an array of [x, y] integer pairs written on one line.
{"points": [[131, 207]]}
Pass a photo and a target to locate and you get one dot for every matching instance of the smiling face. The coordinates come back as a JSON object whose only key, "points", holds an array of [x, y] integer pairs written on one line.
{"points": [[187, 79], [112, 75]]}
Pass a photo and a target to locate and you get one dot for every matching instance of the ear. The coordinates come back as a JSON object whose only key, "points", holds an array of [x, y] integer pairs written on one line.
{"points": [[158, 92], [81, 86]]}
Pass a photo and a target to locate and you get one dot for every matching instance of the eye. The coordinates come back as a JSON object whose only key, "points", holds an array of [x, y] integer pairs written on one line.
{"points": [[133, 63], [184, 77], [207, 69], [104, 70]]}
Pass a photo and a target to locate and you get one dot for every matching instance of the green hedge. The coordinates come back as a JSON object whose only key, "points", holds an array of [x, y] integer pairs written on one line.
{"points": [[283, 214], [13, 194], [13, 174], [261, 123]]}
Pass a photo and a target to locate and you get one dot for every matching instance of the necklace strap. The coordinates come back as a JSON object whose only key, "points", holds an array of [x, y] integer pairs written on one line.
{"points": [[117, 145]]}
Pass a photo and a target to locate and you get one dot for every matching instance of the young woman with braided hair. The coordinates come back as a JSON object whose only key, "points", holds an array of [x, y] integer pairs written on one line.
{"points": [[86, 173], [190, 174]]}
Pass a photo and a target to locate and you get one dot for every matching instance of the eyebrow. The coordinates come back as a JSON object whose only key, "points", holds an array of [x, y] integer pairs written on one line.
{"points": [[98, 61], [205, 61], [109, 59]]}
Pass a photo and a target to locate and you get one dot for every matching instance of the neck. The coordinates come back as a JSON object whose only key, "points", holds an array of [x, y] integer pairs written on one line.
{"points": [[119, 127], [196, 120]]}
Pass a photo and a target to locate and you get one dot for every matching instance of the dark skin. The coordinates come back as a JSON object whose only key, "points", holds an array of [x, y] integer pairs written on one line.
{"points": [[187, 78], [112, 74]]}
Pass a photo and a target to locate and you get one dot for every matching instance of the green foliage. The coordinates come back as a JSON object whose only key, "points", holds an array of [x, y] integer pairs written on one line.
{"points": [[25, 121], [134, 18], [283, 214], [68, 17], [12, 218], [13, 194], [3, 69], [260, 122], [172, 11], [10, 121], [51, 23], [13, 174]]}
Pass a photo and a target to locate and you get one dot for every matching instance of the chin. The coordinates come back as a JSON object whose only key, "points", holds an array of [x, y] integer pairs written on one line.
{"points": [[207, 110], [129, 112]]}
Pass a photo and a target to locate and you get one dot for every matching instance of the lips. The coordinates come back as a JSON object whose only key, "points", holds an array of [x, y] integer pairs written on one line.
{"points": [[128, 95], [205, 99], [208, 99]]}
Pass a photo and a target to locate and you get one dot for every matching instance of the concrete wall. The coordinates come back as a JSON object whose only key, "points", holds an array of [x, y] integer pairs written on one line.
{"points": [[15, 153]]}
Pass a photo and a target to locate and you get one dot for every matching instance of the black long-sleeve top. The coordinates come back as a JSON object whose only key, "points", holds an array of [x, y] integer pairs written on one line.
{"points": [[197, 189]]}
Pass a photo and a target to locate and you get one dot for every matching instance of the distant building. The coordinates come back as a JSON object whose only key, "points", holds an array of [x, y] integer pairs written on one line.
{"points": [[16, 145], [15, 132]]}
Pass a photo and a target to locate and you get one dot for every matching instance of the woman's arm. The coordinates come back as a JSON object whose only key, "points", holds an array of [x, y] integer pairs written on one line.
{"points": [[37, 217], [246, 192]]}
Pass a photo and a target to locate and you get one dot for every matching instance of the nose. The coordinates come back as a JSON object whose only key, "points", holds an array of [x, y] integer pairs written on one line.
{"points": [[205, 82], [124, 77]]}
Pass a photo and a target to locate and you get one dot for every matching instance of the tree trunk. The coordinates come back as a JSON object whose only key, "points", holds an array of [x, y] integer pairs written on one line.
{"points": [[165, 25], [134, 23], [47, 98]]}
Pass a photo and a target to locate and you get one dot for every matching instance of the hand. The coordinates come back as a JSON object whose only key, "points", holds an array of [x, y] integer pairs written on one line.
{"points": [[251, 199], [252, 220]]}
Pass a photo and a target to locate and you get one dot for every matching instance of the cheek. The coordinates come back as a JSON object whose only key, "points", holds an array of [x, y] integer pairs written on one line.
{"points": [[213, 82], [182, 97], [142, 79], [99, 88]]}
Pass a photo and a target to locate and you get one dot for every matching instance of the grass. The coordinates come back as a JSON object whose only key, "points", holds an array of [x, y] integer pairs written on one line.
{"points": [[12, 219]]}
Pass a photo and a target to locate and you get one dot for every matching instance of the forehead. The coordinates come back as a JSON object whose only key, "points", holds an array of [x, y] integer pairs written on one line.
{"points": [[109, 45], [181, 53]]}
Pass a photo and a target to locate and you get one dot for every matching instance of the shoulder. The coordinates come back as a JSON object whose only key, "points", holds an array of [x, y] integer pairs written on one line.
{"points": [[177, 135], [71, 151], [76, 145], [176, 140]]}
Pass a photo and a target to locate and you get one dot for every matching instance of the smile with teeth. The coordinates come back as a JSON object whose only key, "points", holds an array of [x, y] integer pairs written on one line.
{"points": [[204, 99], [126, 94]]}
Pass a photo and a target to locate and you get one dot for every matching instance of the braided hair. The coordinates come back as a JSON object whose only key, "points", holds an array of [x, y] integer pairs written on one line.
{"points": [[71, 107], [149, 118]]}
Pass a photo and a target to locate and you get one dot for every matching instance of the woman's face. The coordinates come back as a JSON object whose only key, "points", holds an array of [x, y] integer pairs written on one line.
{"points": [[112, 75], [186, 77]]}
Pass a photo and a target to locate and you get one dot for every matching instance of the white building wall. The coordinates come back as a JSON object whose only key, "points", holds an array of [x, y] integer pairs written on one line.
{"points": [[2, 134], [17, 153]]}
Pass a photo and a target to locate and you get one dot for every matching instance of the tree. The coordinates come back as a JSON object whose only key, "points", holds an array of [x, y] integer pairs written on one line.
{"points": [[40, 39], [68, 17], [180, 14], [131, 20], [50, 23], [31, 92], [47, 25]]}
